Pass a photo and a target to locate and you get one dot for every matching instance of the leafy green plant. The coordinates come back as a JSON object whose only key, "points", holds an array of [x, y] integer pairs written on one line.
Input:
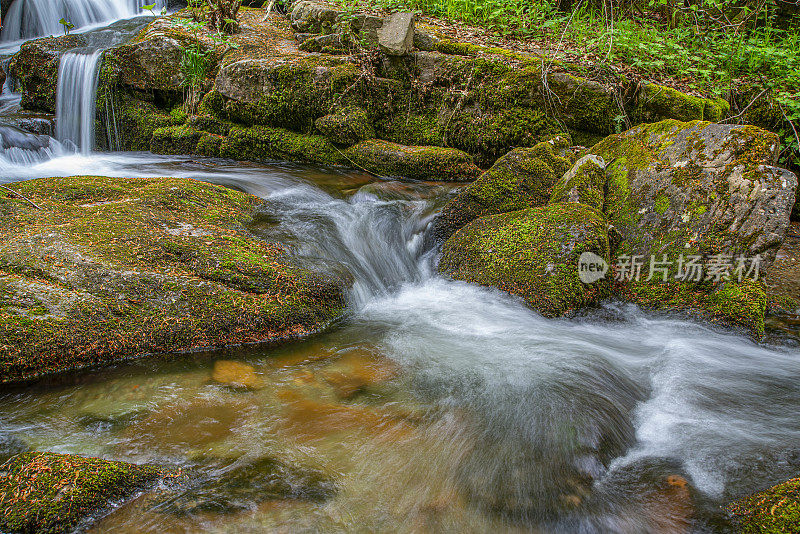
{"points": [[67, 25]]}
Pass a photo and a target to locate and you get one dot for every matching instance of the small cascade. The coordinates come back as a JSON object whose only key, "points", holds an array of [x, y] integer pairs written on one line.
{"points": [[75, 99], [27, 19]]}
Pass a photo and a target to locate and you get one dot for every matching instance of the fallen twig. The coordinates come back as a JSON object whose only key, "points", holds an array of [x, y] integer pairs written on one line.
{"points": [[23, 197]]}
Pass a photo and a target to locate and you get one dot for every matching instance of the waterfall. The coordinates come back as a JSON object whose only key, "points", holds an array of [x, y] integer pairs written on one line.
{"points": [[27, 19], [75, 99]]}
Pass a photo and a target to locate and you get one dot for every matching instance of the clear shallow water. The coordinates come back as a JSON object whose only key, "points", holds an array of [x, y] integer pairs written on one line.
{"points": [[435, 406]]}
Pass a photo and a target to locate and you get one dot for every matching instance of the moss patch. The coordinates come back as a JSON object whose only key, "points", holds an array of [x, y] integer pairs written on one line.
{"points": [[52, 493], [532, 253], [773, 511], [523, 178]]}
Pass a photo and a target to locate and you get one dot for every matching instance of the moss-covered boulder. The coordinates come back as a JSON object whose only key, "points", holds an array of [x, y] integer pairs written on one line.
{"points": [[151, 61], [115, 268], [416, 162], [175, 140], [52, 493], [585, 183], [35, 68], [346, 126], [772, 511], [656, 103], [523, 178], [264, 143], [703, 192], [532, 253]]}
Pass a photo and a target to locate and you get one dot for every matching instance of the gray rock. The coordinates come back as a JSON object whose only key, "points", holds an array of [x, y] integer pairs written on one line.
{"points": [[311, 17], [698, 188], [425, 41], [396, 36]]}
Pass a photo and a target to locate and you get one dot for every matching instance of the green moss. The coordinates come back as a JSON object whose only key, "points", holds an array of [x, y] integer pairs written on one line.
{"points": [[584, 183], [656, 102], [772, 511], [52, 493], [299, 93], [523, 178], [346, 126], [264, 143], [173, 267], [178, 116], [662, 204], [416, 162], [175, 140], [532, 253]]}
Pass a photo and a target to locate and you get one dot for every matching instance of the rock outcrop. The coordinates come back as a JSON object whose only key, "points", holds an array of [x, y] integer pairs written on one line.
{"points": [[52, 493], [115, 268], [306, 74], [35, 68], [693, 212]]}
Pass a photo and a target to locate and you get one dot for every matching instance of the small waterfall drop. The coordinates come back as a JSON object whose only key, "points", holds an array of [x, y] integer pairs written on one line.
{"points": [[27, 19], [75, 99]]}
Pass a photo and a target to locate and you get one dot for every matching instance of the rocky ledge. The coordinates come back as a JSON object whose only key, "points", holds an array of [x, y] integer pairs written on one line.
{"points": [[114, 268]]}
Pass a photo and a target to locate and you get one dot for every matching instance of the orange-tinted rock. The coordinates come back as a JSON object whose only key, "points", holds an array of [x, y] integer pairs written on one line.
{"points": [[236, 374]]}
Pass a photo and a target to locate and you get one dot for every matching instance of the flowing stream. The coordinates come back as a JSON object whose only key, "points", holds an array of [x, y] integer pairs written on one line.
{"points": [[433, 406]]}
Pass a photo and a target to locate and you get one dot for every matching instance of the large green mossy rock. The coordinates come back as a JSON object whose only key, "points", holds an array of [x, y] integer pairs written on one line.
{"points": [[772, 511], [52, 493], [112, 268], [532, 253], [710, 191], [35, 69], [416, 162], [523, 178], [656, 103]]}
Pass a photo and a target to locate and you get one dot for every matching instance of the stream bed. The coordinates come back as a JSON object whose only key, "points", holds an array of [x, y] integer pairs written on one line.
{"points": [[433, 406]]}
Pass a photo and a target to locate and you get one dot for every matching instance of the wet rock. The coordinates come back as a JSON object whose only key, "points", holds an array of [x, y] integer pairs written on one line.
{"points": [[704, 190], [396, 35], [182, 426], [11, 445], [776, 509], [532, 253], [544, 461], [346, 126], [417, 162], [236, 374], [114, 268], [47, 492], [39, 126], [246, 482], [356, 371], [521, 179], [35, 67], [310, 419], [13, 137], [653, 494]]}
